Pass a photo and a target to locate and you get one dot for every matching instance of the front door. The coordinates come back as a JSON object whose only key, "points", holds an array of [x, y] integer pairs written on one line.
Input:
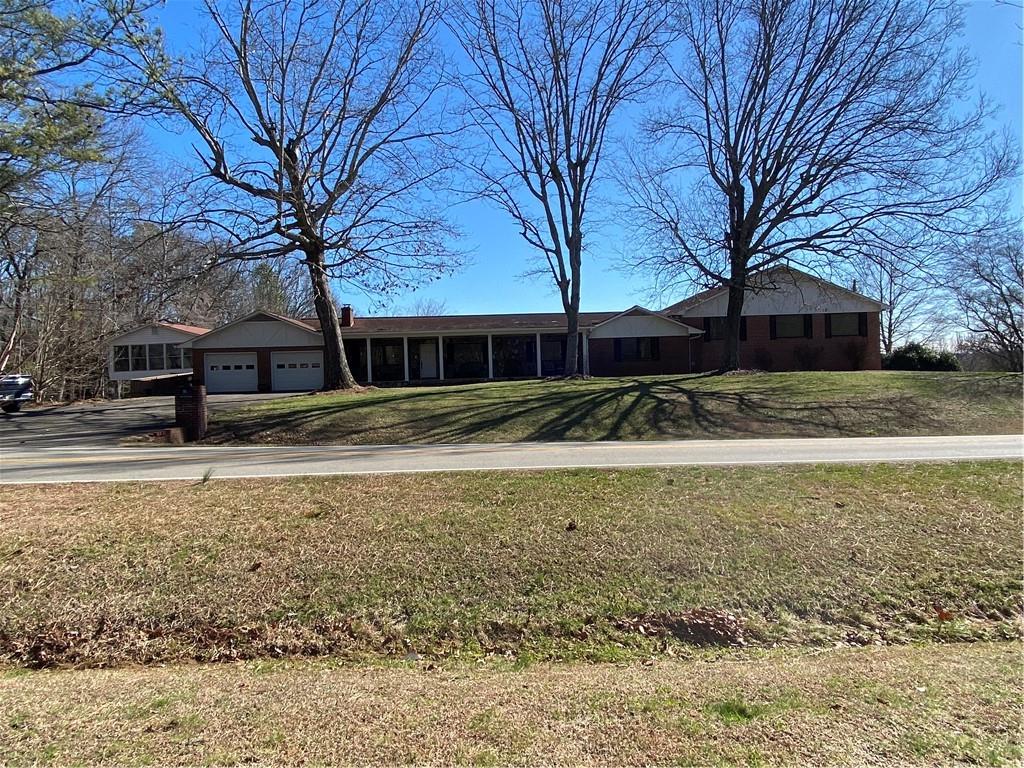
{"points": [[428, 359]]}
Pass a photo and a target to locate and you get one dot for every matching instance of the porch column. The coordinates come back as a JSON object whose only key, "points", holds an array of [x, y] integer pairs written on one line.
{"points": [[538, 356], [490, 358], [440, 358], [405, 355], [586, 353], [369, 362]]}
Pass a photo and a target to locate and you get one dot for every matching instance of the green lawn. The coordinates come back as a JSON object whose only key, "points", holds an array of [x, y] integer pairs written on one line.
{"points": [[806, 404], [565, 565], [909, 705]]}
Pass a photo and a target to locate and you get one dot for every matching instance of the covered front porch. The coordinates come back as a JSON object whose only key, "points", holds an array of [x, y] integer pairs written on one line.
{"points": [[457, 357]]}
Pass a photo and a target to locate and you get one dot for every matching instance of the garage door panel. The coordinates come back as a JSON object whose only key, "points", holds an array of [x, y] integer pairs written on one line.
{"points": [[297, 371], [235, 372]]}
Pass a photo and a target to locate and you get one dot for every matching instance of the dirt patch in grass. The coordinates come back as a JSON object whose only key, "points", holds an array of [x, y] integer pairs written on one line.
{"points": [[924, 705], [805, 404], [487, 564]]}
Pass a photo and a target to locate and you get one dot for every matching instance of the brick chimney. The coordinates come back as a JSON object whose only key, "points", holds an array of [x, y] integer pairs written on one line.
{"points": [[348, 317]]}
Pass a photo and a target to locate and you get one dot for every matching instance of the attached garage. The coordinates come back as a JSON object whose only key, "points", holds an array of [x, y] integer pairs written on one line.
{"points": [[300, 371], [230, 372], [259, 353]]}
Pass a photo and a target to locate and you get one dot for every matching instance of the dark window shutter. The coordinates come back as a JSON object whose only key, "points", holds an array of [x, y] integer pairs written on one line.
{"points": [[707, 327], [618, 350], [828, 326], [655, 348], [743, 329], [862, 324], [809, 326], [771, 328]]}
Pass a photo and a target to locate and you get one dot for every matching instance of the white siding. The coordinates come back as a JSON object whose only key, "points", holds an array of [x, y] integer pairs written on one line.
{"points": [[150, 334], [259, 333], [787, 294], [638, 326]]}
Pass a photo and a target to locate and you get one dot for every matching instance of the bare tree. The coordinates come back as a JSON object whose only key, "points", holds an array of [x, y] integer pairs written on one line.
{"points": [[547, 77], [87, 256], [425, 307], [905, 272], [803, 130], [988, 283], [316, 120], [280, 287]]}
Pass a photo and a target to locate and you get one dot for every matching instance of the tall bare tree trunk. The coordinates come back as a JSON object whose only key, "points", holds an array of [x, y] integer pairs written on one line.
{"points": [[571, 304], [337, 374], [572, 343], [734, 315]]}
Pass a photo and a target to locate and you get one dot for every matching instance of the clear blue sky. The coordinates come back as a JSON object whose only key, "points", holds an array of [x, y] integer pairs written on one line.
{"points": [[492, 281]]}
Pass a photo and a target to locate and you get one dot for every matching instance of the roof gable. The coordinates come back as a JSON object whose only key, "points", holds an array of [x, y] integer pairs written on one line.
{"points": [[258, 329], [779, 290], [184, 332], [639, 321]]}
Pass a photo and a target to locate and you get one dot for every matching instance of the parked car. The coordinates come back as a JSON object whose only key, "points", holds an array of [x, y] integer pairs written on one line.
{"points": [[15, 389]]}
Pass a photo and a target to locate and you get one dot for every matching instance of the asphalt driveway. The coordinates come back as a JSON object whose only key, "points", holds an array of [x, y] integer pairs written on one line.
{"points": [[102, 423]]}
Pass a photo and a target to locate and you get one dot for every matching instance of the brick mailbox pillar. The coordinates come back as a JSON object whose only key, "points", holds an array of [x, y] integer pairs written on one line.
{"points": [[190, 411]]}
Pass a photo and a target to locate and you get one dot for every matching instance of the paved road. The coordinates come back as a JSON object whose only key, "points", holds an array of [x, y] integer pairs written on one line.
{"points": [[102, 423], [188, 463]]}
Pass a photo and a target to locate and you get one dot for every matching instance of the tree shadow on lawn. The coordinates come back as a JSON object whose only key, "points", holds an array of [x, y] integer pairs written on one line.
{"points": [[634, 410], [971, 385]]}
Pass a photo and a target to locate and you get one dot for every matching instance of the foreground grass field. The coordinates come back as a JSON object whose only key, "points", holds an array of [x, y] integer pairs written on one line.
{"points": [[595, 565], [930, 705], [803, 404]]}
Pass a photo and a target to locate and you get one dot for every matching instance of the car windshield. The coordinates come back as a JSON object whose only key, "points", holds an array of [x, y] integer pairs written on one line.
{"points": [[15, 382]]}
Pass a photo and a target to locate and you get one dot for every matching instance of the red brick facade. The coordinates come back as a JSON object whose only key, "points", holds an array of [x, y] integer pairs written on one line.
{"points": [[817, 353], [681, 354], [673, 357]]}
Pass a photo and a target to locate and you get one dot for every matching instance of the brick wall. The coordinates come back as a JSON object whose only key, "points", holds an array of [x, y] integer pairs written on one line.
{"points": [[673, 358], [759, 350]]}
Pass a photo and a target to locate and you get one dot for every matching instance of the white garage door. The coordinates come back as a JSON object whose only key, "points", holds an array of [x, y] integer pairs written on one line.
{"points": [[297, 371], [231, 372]]}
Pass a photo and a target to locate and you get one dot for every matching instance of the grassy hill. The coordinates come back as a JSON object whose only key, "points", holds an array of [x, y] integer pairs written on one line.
{"points": [[806, 404]]}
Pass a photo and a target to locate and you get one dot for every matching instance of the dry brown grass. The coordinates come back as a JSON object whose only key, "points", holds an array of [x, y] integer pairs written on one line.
{"points": [[926, 705], [482, 564]]}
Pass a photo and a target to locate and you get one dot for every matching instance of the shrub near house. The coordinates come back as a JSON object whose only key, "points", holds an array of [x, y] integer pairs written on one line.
{"points": [[919, 357]]}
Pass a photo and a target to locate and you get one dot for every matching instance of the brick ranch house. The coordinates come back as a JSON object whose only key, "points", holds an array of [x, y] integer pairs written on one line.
{"points": [[791, 321]]}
